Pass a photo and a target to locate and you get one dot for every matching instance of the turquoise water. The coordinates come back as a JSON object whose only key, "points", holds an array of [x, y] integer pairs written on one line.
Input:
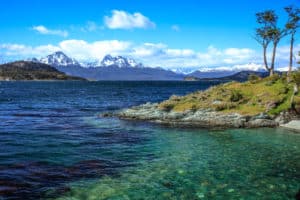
{"points": [[54, 145], [202, 164]]}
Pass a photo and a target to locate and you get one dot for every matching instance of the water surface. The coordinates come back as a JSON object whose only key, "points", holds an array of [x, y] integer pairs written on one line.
{"points": [[53, 144]]}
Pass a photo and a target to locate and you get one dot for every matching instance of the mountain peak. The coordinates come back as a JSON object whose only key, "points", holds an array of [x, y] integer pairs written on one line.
{"points": [[58, 58], [119, 61]]}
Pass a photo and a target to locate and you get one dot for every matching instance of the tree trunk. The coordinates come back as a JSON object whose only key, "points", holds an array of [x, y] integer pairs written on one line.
{"points": [[291, 58], [293, 96], [273, 58], [271, 72], [265, 58]]}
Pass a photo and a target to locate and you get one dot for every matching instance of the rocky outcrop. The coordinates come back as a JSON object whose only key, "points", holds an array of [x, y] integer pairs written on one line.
{"points": [[292, 125], [200, 118]]}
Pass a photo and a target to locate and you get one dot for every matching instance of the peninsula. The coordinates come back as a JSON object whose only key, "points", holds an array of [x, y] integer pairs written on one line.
{"points": [[25, 70], [259, 102]]}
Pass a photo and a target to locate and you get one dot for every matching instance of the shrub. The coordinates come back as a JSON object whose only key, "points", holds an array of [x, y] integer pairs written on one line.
{"points": [[272, 79], [224, 106], [296, 104], [253, 78], [236, 95], [296, 77], [175, 98], [194, 108], [167, 107]]}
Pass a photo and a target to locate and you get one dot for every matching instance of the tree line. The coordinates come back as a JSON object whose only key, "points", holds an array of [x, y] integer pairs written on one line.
{"points": [[268, 34]]}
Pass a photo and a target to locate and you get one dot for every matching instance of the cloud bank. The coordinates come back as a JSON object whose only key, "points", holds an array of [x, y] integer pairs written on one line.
{"points": [[152, 54]]}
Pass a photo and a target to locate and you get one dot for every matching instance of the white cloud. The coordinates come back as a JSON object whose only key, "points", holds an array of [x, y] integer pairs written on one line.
{"points": [[45, 31], [124, 20], [81, 49], [175, 28], [20, 51], [153, 54], [91, 26]]}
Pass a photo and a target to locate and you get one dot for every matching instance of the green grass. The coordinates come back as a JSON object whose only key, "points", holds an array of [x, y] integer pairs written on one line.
{"points": [[270, 95]]}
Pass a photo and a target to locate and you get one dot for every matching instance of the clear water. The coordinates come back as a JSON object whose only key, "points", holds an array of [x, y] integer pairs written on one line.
{"points": [[53, 144]]}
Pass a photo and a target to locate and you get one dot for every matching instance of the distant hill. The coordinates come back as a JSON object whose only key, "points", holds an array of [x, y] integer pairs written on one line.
{"points": [[211, 74], [191, 78], [121, 73], [244, 75], [26, 70], [240, 76]]}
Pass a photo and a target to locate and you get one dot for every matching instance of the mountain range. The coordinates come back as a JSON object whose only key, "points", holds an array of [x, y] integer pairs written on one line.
{"points": [[122, 68], [109, 68]]}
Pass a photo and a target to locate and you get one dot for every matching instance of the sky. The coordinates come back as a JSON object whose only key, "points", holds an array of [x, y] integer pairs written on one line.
{"points": [[178, 34]]}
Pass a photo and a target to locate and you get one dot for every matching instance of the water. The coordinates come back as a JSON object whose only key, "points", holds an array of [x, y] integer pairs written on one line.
{"points": [[53, 144]]}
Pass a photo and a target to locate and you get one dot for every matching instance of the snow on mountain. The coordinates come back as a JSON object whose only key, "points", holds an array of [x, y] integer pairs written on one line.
{"points": [[119, 61], [59, 59], [184, 70], [109, 60], [91, 63]]}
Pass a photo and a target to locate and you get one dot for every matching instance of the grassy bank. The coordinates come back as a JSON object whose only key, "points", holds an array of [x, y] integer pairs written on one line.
{"points": [[270, 95]]}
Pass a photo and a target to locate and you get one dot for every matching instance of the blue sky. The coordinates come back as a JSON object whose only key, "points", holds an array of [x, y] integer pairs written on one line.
{"points": [[182, 31]]}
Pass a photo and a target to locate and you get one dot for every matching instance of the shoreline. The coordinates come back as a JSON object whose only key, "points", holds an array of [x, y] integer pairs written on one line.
{"points": [[205, 118], [293, 125]]}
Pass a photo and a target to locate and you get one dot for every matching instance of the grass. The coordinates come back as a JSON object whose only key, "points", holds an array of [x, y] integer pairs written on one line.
{"points": [[270, 95]]}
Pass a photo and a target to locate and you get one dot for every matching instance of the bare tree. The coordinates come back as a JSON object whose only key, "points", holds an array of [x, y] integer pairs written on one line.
{"points": [[268, 32], [291, 27]]}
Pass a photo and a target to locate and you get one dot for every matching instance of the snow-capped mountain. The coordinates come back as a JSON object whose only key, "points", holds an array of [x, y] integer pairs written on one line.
{"points": [[119, 61], [59, 59], [122, 68]]}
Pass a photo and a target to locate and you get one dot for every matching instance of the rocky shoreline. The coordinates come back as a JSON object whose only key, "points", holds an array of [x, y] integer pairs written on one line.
{"points": [[205, 118]]}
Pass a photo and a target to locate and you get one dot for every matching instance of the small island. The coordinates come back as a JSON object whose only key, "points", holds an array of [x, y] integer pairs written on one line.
{"points": [[25, 70], [259, 102]]}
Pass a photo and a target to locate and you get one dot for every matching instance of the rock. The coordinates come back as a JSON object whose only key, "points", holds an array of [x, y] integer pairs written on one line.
{"points": [[287, 116], [230, 190], [256, 123], [216, 102], [108, 114], [205, 118], [200, 195], [261, 116], [271, 105], [293, 125]]}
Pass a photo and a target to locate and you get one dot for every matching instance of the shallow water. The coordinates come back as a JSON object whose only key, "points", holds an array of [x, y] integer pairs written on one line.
{"points": [[53, 144]]}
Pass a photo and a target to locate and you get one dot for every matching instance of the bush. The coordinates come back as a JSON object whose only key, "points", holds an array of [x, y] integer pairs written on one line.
{"points": [[167, 107], [194, 108], [253, 78], [296, 77], [272, 79], [175, 98], [224, 106], [235, 96], [296, 104]]}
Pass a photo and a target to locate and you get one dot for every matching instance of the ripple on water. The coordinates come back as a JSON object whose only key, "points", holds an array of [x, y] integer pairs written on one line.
{"points": [[232, 164], [53, 144]]}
